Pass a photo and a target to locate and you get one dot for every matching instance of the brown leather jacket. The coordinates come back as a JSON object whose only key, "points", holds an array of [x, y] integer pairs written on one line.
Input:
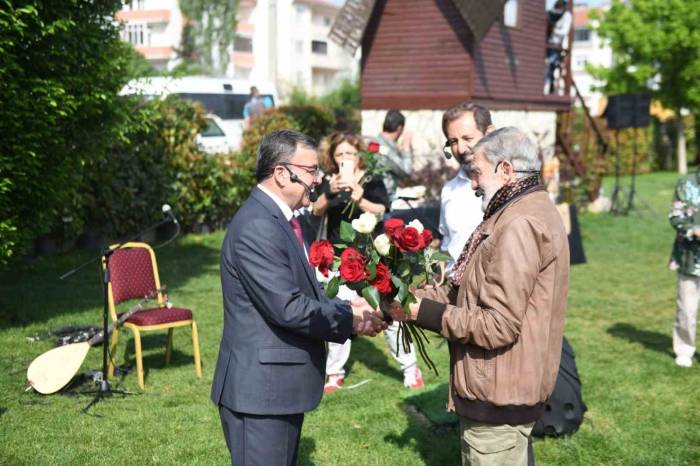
{"points": [[505, 321]]}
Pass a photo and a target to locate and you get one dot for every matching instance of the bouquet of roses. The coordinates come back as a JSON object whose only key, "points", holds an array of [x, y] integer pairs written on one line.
{"points": [[381, 269]]}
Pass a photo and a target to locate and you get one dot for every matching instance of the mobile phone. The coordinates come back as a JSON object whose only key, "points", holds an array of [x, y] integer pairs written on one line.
{"points": [[346, 170]]}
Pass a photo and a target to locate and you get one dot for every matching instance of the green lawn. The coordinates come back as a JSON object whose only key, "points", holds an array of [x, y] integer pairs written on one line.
{"points": [[642, 408]]}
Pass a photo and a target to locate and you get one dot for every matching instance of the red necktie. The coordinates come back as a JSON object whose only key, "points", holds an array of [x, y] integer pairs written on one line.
{"points": [[296, 226]]}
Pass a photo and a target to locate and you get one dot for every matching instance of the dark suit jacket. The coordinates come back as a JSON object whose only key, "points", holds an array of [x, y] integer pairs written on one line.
{"points": [[272, 357]]}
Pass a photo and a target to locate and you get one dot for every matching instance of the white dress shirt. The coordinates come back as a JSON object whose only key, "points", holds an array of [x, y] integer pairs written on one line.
{"points": [[286, 210], [460, 214]]}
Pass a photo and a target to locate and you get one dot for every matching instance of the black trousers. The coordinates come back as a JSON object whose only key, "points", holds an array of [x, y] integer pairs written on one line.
{"points": [[261, 440]]}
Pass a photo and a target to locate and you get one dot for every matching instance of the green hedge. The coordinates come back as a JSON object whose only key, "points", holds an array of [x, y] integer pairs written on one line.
{"points": [[158, 161], [60, 65]]}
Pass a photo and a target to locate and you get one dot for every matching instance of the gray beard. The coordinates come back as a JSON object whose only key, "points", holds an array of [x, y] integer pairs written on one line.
{"points": [[485, 202]]}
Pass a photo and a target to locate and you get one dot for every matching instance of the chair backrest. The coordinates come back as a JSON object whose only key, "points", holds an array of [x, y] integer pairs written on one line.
{"points": [[133, 273]]}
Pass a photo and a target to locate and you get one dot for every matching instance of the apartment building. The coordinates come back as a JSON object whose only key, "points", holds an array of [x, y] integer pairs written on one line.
{"points": [[284, 42], [588, 48], [154, 28]]}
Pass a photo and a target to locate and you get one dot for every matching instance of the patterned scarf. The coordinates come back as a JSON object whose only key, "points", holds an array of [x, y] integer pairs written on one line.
{"points": [[502, 197]]}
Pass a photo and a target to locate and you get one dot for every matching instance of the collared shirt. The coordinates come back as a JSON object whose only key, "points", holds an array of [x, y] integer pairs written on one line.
{"points": [[286, 210], [460, 214]]}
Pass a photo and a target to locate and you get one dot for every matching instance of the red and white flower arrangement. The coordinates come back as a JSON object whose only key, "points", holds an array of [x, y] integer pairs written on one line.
{"points": [[381, 269]]}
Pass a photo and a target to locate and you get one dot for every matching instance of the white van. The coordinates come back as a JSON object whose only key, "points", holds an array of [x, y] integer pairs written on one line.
{"points": [[222, 97]]}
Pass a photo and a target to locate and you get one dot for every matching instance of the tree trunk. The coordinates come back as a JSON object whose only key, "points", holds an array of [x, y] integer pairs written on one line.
{"points": [[680, 137]]}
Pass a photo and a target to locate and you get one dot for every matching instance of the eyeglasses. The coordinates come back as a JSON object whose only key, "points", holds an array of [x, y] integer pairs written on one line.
{"points": [[495, 170], [312, 170]]}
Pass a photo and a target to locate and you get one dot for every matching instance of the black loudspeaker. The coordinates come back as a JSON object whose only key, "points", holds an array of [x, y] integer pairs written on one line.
{"points": [[565, 408], [628, 111]]}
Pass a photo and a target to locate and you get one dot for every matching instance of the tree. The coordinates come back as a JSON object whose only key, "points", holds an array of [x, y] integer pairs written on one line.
{"points": [[656, 48], [62, 66], [207, 35]]}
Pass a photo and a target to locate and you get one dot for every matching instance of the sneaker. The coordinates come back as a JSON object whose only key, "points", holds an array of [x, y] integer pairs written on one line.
{"points": [[684, 361], [413, 378], [334, 383]]}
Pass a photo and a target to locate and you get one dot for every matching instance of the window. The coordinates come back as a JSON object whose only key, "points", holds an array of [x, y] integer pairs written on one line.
{"points": [[242, 44], [136, 34], [212, 130], [510, 13], [136, 5], [326, 21], [582, 34], [319, 47]]}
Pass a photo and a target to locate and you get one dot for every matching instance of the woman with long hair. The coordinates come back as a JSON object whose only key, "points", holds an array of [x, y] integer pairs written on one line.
{"points": [[345, 183]]}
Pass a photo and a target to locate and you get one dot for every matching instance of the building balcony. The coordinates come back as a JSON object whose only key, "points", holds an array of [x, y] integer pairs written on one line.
{"points": [[245, 28], [144, 16], [243, 59], [155, 53], [327, 62]]}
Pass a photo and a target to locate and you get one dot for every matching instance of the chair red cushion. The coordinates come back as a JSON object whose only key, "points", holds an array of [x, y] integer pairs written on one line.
{"points": [[159, 315], [131, 274]]}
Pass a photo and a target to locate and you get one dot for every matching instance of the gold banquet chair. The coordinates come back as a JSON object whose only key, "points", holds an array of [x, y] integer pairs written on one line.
{"points": [[133, 273]]}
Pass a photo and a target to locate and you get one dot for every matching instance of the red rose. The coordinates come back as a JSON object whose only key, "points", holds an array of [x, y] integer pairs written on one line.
{"points": [[321, 256], [373, 147], [352, 266], [409, 240], [382, 281], [392, 224], [427, 237]]}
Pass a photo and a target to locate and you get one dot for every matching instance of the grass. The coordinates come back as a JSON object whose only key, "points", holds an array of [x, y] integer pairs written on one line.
{"points": [[642, 408]]}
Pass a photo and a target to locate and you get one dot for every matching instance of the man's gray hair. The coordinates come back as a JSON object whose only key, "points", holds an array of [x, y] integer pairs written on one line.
{"points": [[511, 144]]}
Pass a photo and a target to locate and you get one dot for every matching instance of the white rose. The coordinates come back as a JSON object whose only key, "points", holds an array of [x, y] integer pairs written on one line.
{"points": [[417, 225], [382, 244], [365, 224], [384, 150]]}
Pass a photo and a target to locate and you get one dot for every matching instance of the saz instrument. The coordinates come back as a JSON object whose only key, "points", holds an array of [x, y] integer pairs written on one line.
{"points": [[52, 371]]}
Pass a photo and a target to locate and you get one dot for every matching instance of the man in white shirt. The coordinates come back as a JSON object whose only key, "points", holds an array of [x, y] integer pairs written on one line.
{"points": [[464, 125]]}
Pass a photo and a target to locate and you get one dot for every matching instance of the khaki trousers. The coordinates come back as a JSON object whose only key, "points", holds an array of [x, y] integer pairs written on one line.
{"points": [[686, 315], [494, 444]]}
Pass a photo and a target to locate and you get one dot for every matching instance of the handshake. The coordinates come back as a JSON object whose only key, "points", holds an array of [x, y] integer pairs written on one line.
{"points": [[366, 320]]}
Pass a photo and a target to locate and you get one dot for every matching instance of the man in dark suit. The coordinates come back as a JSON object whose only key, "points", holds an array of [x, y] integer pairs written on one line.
{"points": [[272, 357]]}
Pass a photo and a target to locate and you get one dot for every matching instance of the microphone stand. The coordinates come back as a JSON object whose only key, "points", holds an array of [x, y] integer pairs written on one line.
{"points": [[104, 390]]}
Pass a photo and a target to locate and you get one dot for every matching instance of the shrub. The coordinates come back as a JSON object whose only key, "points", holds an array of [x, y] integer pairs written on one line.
{"points": [[208, 189], [157, 161], [312, 120], [341, 105], [269, 121], [124, 188], [62, 63]]}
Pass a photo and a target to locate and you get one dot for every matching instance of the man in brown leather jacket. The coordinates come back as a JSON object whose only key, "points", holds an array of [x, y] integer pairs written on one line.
{"points": [[503, 311]]}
